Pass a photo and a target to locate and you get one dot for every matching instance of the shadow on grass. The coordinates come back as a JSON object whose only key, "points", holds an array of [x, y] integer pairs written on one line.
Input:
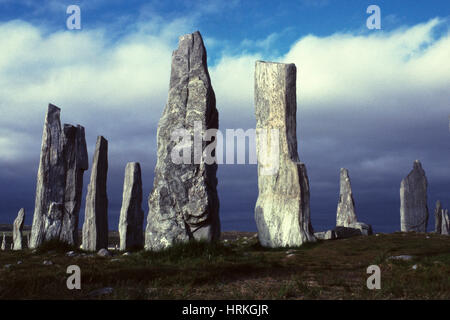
{"points": [[56, 245]]}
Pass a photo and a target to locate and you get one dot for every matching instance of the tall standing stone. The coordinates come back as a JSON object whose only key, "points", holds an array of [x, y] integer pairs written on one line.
{"points": [[282, 211], [345, 215], [76, 160], [183, 204], [445, 226], [17, 230], [131, 214], [63, 161], [438, 218], [413, 200], [95, 227]]}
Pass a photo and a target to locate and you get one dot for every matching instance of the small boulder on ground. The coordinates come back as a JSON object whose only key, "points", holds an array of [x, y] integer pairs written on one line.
{"points": [[103, 253]]}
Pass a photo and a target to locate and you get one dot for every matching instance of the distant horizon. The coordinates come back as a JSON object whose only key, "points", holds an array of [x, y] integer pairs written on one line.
{"points": [[369, 100]]}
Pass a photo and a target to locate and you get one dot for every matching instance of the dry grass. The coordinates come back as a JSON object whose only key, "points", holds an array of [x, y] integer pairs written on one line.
{"points": [[239, 269]]}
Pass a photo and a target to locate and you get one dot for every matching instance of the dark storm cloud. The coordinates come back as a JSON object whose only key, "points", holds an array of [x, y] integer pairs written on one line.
{"points": [[373, 115]]}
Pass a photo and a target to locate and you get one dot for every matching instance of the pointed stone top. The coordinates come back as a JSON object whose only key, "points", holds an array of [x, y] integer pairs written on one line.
{"points": [[53, 108], [417, 164], [101, 139], [417, 168], [190, 57]]}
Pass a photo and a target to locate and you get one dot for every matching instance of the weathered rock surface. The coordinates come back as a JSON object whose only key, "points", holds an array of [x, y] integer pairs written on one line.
{"points": [[366, 229], [438, 218], [445, 224], [282, 211], [340, 232], [413, 200], [76, 161], [17, 230], [63, 161], [131, 214], [325, 235], [95, 227], [345, 232], [184, 204], [104, 253], [345, 214], [3, 247]]}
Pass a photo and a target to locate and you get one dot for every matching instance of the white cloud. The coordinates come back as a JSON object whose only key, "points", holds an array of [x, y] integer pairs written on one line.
{"points": [[371, 70], [112, 88]]}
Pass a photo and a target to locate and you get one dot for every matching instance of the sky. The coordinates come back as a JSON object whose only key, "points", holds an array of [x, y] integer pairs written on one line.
{"points": [[372, 101]]}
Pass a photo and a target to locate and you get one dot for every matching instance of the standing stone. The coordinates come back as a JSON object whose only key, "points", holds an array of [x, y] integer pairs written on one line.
{"points": [[17, 230], [346, 207], [51, 176], [438, 218], [76, 160], [413, 200], [95, 227], [183, 204], [282, 210], [3, 243], [445, 226], [63, 161], [131, 214]]}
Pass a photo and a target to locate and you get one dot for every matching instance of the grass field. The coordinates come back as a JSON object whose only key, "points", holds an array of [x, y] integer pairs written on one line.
{"points": [[238, 268]]}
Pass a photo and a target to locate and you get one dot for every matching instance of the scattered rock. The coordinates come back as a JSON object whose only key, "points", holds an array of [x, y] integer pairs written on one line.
{"points": [[343, 232], [104, 253], [290, 255], [19, 262], [325, 235], [413, 200], [282, 210], [17, 230], [126, 254], [414, 267], [71, 254], [366, 229], [95, 227], [131, 214], [47, 263], [184, 203], [7, 266]]}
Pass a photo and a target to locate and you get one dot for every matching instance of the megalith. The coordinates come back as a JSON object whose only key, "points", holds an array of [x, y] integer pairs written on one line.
{"points": [[345, 214], [445, 224], [413, 200], [131, 214], [17, 230], [95, 226], [183, 204], [63, 160], [438, 218], [282, 210]]}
